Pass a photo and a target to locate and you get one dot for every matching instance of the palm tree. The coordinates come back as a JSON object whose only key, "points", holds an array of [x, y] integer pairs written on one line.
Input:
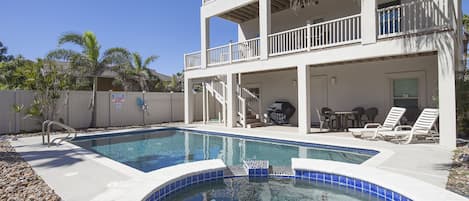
{"points": [[89, 61], [137, 72]]}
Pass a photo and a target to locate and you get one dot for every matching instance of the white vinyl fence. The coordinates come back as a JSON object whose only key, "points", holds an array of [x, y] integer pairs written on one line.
{"points": [[113, 109]]}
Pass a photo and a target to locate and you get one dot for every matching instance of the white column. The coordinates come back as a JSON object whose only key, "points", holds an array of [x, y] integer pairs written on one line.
{"points": [[205, 39], [264, 27], [304, 99], [224, 105], [368, 21], [447, 95], [188, 101], [231, 99]]}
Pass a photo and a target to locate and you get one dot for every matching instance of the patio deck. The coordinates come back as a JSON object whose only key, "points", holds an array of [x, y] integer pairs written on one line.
{"points": [[76, 174]]}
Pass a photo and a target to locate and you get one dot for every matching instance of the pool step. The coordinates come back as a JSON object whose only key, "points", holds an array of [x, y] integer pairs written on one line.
{"points": [[236, 171]]}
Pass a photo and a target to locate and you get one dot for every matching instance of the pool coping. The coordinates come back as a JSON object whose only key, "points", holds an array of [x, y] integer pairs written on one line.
{"points": [[404, 185]]}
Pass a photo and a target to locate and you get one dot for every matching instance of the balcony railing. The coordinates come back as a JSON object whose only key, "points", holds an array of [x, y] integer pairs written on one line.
{"points": [[331, 33], [412, 17], [233, 52], [192, 60]]}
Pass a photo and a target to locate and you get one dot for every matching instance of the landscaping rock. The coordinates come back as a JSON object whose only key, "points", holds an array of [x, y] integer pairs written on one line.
{"points": [[18, 181], [458, 180]]}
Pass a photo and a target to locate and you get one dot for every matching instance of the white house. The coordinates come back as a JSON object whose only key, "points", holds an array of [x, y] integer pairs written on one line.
{"points": [[327, 53]]}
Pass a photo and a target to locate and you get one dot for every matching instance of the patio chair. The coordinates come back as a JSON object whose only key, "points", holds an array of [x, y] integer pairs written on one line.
{"points": [[422, 127], [371, 114], [357, 117], [324, 118], [392, 120]]}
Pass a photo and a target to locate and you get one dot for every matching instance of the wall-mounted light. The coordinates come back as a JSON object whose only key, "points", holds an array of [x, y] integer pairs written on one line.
{"points": [[333, 80]]}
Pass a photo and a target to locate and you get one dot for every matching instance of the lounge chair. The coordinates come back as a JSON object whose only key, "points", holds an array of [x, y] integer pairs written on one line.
{"points": [[392, 120], [422, 127]]}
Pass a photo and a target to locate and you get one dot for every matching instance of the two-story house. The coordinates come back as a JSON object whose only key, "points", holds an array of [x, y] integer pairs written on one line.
{"points": [[328, 53]]}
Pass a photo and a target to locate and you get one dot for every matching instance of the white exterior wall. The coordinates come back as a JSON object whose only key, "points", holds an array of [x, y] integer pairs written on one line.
{"points": [[289, 19], [365, 84]]}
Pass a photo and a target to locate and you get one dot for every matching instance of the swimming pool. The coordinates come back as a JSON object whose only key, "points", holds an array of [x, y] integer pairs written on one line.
{"points": [[154, 149]]}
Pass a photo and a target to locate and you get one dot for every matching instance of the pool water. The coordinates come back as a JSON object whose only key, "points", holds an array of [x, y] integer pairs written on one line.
{"points": [[274, 189], [148, 151]]}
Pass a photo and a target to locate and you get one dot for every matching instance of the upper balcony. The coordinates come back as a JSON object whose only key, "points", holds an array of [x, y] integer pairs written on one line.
{"points": [[414, 17]]}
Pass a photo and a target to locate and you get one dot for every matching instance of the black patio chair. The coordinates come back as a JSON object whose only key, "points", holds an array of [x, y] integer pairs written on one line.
{"points": [[356, 118], [371, 114]]}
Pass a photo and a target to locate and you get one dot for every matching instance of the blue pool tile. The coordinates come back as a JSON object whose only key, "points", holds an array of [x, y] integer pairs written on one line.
{"points": [[220, 173], [200, 178], [162, 192], [156, 196], [184, 182], [381, 191], [373, 188], [298, 173], [328, 178], [343, 181], [405, 199], [350, 182], [195, 179], [366, 187], [335, 178], [166, 190], [213, 175], [207, 176], [320, 176], [252, 172], [388, 194], [358, 185], [397, 197], [265, 172]]}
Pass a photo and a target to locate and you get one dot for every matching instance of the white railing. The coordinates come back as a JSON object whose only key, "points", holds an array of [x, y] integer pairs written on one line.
{"points": [[245, 50], [252, 102], [412, 17], [218, 55], [242, 112], [234, 52], [192, 60], [326, 34]]}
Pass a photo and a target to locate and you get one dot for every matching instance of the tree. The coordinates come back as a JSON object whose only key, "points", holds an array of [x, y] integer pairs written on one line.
{"points": [[137, 73], [3, 54], [89, 62], [47, 81]]}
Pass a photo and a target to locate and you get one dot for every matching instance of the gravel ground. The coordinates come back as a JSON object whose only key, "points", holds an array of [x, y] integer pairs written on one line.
{"points": [[458, 180], [18, 181]]}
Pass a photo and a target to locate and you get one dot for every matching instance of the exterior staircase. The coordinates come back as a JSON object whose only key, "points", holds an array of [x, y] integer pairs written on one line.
{"points": [[249, 109]]}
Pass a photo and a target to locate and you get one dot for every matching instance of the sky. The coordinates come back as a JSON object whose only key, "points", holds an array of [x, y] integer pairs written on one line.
{"points": [[151, 27]]}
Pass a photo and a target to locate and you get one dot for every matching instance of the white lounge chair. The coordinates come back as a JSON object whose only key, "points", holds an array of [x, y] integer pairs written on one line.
{"points": [[392, 120], [422, 127]]}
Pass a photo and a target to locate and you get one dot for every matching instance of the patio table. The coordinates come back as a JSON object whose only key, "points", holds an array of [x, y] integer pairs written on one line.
{"points": [[342, 119]]}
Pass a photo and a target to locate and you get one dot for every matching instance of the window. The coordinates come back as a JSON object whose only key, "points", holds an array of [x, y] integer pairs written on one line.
{"points": [[406, 95]]}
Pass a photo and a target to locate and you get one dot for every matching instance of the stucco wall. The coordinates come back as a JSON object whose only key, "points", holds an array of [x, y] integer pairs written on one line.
{"points": [[365, 84]]}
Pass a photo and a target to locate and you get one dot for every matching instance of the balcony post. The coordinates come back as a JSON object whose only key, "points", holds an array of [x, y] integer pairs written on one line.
{"points": [[264, 27], [230, 51], [308, 37], [205, 39], [368, 21]]}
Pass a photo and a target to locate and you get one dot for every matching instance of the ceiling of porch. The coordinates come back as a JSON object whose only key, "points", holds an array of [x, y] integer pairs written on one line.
{"points": [[251, 11]]}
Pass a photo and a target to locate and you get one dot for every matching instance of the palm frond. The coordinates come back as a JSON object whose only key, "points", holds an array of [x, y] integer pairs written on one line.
{"points": [[137, 61], [71, 37], [91, 46], [149, 60], [61, 54]]}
